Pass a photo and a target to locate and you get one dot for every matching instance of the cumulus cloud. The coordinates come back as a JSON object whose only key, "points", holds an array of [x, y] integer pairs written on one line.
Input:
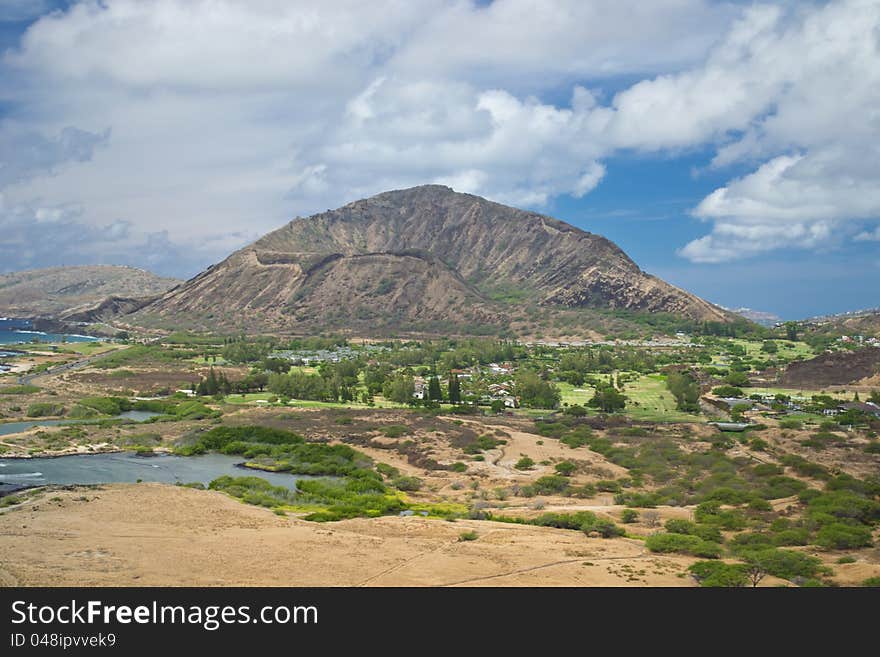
{"points": [[194, 125], [797, 92], [48, 236], [25, 154]]}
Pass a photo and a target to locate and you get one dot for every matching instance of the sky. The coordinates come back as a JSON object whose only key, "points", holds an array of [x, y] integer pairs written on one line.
{"points": [[731, 148]]}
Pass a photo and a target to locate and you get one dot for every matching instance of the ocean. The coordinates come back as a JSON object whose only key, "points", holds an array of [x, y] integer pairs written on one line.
{"points": [[19, 331]]}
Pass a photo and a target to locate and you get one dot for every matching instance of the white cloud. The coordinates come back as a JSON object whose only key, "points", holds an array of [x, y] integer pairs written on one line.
{"points": [[211, 121], [869, 235], [799, 93]]}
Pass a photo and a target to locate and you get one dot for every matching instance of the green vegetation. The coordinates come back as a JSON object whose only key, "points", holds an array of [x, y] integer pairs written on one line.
{"points": [[719, 574], [584, 521], [277, 450], [684, 543], [686, 391], [19, 390], [45, 409], [629, 516]]}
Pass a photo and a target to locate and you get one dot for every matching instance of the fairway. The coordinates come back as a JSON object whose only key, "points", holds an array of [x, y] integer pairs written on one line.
{"points": [[650, 400]]}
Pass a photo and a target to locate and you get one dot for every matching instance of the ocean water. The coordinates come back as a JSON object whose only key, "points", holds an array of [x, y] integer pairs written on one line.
{"points": [[19, 331]]}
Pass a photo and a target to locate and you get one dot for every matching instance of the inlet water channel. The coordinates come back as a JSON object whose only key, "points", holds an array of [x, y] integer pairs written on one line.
{"points": [[127, 468]]}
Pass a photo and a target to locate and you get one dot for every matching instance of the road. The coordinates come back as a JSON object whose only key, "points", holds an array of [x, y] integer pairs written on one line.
{"points": [[27, 379]]}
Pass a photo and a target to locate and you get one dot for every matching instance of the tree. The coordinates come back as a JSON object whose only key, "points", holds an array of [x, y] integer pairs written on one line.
{"points": [[277, 365], [738, 379], [769, 347], [497, 406], [454, 389], [608, 399], [400, 389], [535, 392], [791, 330], [686, 391], [718, 573], [434, 391], [576, 410], [756, 568]]}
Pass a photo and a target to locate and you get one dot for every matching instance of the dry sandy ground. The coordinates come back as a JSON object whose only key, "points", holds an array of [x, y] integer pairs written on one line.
{"points": [[153, 534]]}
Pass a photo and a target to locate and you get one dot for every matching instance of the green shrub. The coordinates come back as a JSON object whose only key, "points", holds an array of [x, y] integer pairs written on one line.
{"points": [[873, 582], [45, 409], [683, 543], [387, 470], [780, 486], [719, 574], [629, 516], [794, 536], [19, 390], [728, 391], [840, 536], [106, 405], [786, 564], [767, 470], [395, 430], [678, 526], [566, 468], [468, 536], [82, 413], [524, 463], [550, 484], [458, 466], [407, 483]]}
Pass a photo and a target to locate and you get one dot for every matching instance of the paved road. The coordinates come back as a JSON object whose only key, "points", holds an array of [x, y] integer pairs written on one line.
{"points": [[27, 379]]}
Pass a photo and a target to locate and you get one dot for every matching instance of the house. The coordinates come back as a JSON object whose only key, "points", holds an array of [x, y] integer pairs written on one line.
{"points": [[500, 388], [731, 402], [420, 388], [869, 408]]}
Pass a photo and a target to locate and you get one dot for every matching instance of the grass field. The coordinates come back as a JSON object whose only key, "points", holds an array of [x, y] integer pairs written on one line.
{"points": [[650, 400], [787, 350], [572, 395], [89, 348]]}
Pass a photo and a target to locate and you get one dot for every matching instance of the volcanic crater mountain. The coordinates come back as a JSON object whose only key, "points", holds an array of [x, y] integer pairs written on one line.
{"points": [[78, 293], [422, 259]]}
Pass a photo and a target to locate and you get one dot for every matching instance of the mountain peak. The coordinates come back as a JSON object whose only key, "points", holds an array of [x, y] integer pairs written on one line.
{"points": [[426, 255]]}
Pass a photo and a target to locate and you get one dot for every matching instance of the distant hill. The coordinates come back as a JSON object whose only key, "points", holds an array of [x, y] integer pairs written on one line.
{"points": [[62, 291], [858, 322], [419, 259], [834, 368], [758, 316]]}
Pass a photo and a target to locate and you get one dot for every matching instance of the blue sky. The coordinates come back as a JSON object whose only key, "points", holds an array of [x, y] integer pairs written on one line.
{"points": [[727, 147]]}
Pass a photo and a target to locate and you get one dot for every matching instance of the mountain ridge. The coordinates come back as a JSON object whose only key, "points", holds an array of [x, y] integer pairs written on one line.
{"points": [[389, 246], [60, 291]]}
